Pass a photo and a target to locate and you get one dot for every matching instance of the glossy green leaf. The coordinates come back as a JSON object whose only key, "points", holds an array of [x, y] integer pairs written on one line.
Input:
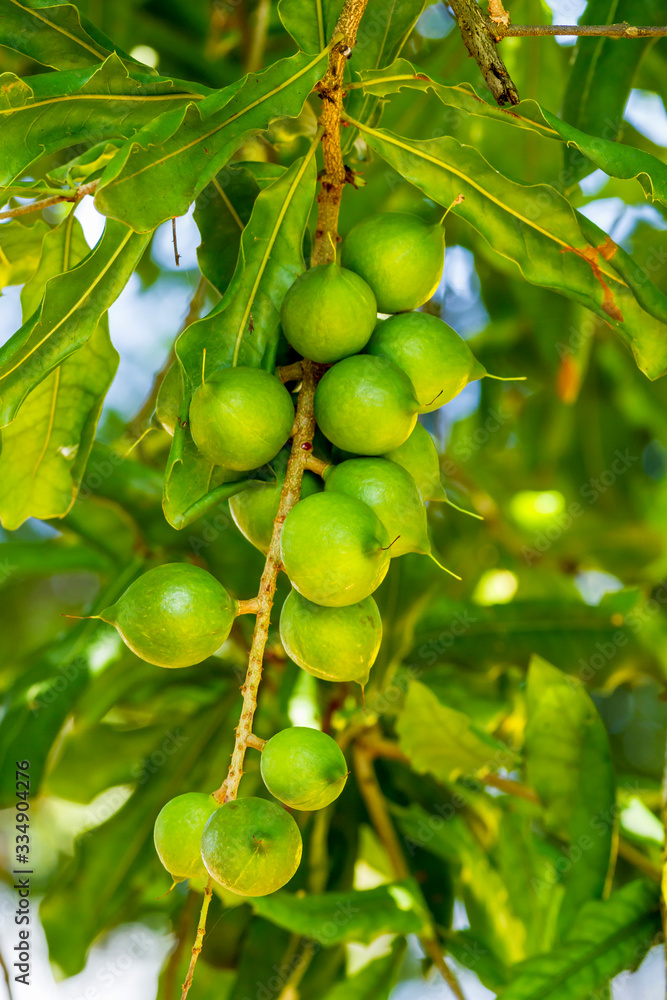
{"points": [[568, 763], [605, 938], [221, 212], [310, 22], [460, 748], [602, 73], [52, 111], [243, 327], [270, 258], [532, 225], [55, 33], [169, 162], [375, 980], [614, 158], [20, 249], [383, 32], [361, 915], [72, 307], [192, 485]]}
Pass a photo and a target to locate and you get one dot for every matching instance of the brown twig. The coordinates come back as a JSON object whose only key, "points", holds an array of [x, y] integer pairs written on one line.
{"points": [[634, 856], [335, 175], [199, 939], [291, 373], [316, 465], [381, 820], [479, 38], [303, 434], [176, 955], [177, 256], [304, 429], [56, 199], [623, 30]]}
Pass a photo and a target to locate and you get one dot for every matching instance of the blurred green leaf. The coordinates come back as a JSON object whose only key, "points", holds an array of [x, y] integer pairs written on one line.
{"points": [[375, 980], [20, 249], [42, 697], [568, 763], [605, 938], [55, 33], [566, 632], [73, 305], [109, 870], [169, 162], [52, 111], [46, 446], [534, 226], [602, 73], [361, 915], [460, 748], [445, 834]]}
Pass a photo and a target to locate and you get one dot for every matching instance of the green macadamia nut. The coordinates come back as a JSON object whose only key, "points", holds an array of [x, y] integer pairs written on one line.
{"points": [[366, 405], [391, 492], [251, 846], [303, 768], [334, 549], [241, 417], [173, 615], [418, 456], [335, 644], [399, 255], [328, 313], [177, 834], [437, 361]]}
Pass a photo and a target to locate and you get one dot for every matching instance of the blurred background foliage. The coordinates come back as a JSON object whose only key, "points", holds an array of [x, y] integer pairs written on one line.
{"points": [[568, 470]]}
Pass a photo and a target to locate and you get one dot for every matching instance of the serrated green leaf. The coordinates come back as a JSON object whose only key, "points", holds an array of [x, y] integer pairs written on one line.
{"points": [[568, 763], [270, 258], [72, 306], [606, 938], [20, 249], [52, 111], [361, 915], [532, 225], [614, 158], [55, 33], [160, 172], [459, 748]]}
